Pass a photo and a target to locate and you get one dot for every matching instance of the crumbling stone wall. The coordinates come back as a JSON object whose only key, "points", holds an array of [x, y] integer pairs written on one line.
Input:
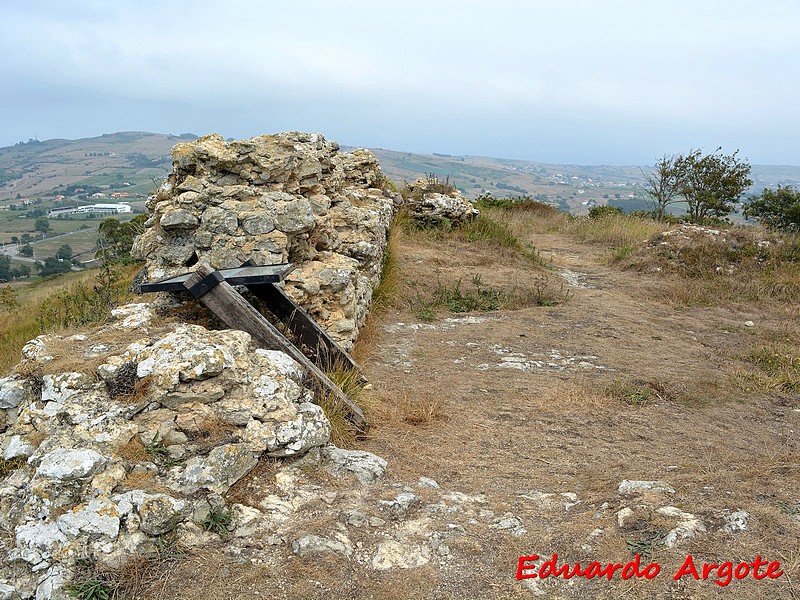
{"points": [[103, 470], [290, 197]]}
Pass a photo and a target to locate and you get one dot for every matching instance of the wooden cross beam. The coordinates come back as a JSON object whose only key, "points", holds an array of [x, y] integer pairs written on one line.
{"points": [[211, 289]]}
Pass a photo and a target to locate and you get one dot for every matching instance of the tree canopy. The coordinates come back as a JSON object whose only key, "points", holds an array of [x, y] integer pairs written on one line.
{"points": [[777, 209], [116, 238], [710, 184], [663, 184]]}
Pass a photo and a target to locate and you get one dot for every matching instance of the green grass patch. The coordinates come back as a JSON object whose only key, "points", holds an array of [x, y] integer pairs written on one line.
{"points": [[478, 297], [487, 230], [91, 589], [217, 522], [779, 363]]}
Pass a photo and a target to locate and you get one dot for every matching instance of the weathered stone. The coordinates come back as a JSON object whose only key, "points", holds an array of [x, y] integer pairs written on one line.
{"points": [[218, 471], [63, 386], [367, 467], [294, 217], [180, 218], [400, 504], [69, 464], [624, 516], [246, 520], [98, 517], [392, 554], [509, 522], [190, 353], [310, 544], [18, 446], [132, 315], [218, 220], [159, 513], [629, 488], [735, 521], [12, 391], [687, 528]]}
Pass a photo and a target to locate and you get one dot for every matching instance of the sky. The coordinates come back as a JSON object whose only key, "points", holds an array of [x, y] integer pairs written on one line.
{"points": [[559, 81]]}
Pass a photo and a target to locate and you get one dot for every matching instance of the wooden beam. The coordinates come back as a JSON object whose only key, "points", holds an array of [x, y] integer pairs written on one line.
{"points": [[238, 313], [330, 355]]}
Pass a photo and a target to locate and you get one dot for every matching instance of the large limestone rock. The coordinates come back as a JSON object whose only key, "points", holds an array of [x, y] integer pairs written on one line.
{"points": [[277, 198]]}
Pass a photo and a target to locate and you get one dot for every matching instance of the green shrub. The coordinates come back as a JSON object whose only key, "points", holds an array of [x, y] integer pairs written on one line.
{"points": [[777, 209], [600, 212]]}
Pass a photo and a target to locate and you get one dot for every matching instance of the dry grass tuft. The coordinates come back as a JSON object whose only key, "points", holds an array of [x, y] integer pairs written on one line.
{"points": [[55, 305], [422, 410], [142, 391], [615, 230], [778, 367], [524, 218], [401, 410], [134, 451], [343, 433]]}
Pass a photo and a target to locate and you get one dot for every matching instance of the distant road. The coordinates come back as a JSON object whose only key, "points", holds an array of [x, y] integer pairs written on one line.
{"points": [[12, 250]]}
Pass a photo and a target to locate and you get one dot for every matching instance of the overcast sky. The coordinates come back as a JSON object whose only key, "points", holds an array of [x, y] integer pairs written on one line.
{"points": [[559, 81]]}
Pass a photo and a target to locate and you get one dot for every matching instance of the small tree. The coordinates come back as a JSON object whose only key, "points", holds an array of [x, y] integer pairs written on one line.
{"points": [[712, 184], [5, 268], [776, 209], [8, 297], [64, 252], [116, 238], [26, 250], [663, 184], [21, 271], [41, 224], [53, 266]]}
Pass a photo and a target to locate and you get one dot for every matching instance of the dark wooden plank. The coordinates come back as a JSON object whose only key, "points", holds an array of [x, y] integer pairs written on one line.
{"points": [[237, 313], [330, 356], [238, 276]]}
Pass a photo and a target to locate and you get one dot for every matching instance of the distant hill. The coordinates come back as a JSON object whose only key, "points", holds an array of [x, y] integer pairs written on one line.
{"points": [[134, 162], [129, 160], [572, 187]]}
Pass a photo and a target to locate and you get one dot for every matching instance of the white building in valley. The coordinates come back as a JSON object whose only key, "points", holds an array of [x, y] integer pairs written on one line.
{"points": [[101, 209]]}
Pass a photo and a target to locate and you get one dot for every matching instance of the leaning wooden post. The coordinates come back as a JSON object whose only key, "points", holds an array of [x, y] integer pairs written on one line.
{"points": [[209, 287]]}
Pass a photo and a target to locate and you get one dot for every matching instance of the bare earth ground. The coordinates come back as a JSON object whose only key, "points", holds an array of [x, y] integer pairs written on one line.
{"points": [[519, 408]]}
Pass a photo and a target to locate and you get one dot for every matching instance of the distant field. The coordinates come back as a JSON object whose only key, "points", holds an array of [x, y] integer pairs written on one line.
{"points": [[16, 225], [80, 242]]}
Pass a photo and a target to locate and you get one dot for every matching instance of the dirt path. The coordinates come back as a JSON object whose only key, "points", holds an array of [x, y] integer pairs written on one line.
{"points": [[523, 414]]}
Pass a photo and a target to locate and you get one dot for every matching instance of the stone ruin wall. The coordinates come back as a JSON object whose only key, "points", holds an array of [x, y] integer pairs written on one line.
{"points": [[290, 197]]}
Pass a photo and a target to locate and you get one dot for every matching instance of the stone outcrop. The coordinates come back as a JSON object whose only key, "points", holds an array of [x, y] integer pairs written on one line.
{"points": [[435, 204], [129, 438], [290, 197]]}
